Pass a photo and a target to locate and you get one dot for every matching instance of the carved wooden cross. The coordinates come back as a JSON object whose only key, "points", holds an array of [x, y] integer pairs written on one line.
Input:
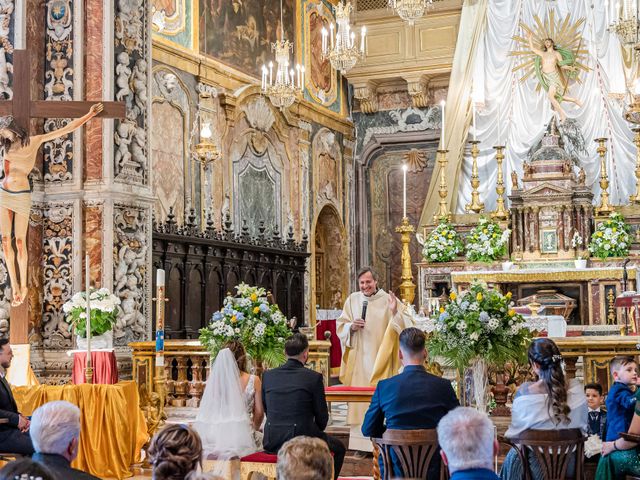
{"points": [[22, 108]]}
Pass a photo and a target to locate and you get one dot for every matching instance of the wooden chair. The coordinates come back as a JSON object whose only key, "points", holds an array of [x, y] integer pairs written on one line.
{"points": [[552, 449], [415, 450]]}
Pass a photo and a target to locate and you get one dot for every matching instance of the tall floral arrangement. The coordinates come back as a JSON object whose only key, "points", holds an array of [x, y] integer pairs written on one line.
{"points": [[611, 238], [443, 244], [249, 318], [104, 311], [487, 241]]}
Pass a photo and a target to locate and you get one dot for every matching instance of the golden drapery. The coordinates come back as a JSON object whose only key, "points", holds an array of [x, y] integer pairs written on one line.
{"points": [[112, 427], [458, 108]]}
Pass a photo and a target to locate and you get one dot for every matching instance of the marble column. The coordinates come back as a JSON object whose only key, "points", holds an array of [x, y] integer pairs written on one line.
{"points": [[536, 229], [561, 236]]}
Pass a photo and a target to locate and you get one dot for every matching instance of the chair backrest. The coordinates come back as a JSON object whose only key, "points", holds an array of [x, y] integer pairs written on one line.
{"points": [[553, 450], [414, 450]]}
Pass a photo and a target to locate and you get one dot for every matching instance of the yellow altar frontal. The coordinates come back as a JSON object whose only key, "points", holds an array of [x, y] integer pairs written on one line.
{"points": [[594, 289], [112, 426]]}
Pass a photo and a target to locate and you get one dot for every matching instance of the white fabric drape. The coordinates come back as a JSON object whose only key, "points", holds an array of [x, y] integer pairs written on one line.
{"points": [[524, 113]]}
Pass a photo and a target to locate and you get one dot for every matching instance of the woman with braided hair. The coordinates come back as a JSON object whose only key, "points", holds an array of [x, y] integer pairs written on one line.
{"points": [[549, 403]]}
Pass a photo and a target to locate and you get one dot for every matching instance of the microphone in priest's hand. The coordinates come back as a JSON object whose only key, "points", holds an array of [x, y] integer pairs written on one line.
{"points": [[364, 310]]}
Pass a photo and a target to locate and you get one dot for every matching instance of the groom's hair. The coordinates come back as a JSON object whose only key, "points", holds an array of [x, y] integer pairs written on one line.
{"points": [[412, 341], [296, 344]]}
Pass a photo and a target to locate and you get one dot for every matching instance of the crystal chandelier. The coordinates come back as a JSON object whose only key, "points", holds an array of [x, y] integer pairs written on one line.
{"points": [[205, 151], [627, 26], [288, 83], [344, 53], [410, 10]]}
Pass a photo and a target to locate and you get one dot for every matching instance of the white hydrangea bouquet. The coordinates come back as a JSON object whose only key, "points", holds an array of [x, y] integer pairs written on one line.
{"points": [[611, 238], [476, 329], [443, 244], [250, 319], [487, 241], [104, 311]]}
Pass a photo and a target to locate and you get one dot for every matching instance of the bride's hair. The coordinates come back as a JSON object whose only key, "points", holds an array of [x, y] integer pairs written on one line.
{"points": [[239, 353], [545, 353], [175, 452]]}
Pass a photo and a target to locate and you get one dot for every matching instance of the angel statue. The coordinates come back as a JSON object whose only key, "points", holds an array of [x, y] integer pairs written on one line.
{"points": [[20, 151], [555, 62]]}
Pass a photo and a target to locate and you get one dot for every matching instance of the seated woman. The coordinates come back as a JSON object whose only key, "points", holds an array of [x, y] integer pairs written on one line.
{"points": [[546, 404], [231, 412], [621, 457], [175, 453]]}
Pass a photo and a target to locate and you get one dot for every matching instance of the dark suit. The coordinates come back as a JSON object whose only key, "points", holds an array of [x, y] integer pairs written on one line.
{"points": [[12, 440], [61, 467], [295, 404], [413, 400]]}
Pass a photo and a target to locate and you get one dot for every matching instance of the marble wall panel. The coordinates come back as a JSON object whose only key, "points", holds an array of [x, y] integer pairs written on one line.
{"points": [[94, 241]]}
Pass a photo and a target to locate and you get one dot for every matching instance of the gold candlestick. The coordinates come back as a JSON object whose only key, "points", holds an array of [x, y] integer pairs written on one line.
{"points": [[635, 198], [407, 287], [500, 213], [475, 205], [604, 208], [443, 209]]}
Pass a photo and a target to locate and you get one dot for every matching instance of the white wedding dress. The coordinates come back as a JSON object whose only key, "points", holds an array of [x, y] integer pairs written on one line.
{"points": [[224, 417]]}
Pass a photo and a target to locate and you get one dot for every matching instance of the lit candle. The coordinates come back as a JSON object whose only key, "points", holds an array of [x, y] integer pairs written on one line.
{"points": [[159, 278], [298, 75], [473, 114], [302, 75], [404, 190], [363, 32], [88, 312], [270, 73], [442, 144], [352, 35], [324, 40], [331, 33]]}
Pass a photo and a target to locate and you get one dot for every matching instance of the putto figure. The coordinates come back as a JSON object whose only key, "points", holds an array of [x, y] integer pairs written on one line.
{"points": [[20, 151]]}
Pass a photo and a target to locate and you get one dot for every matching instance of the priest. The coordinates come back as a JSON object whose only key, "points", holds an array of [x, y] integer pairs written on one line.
{"points": [[368, 328]]}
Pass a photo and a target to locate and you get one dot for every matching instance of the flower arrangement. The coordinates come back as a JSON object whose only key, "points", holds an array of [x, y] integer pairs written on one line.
{"points": [[443, 244], [479, 323], [104, 311], [487, 241], [576, 243], [611, 238], [249, 318]]}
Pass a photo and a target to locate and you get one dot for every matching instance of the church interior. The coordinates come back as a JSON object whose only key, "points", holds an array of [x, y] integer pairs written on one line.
{"points": [[283, 145]]}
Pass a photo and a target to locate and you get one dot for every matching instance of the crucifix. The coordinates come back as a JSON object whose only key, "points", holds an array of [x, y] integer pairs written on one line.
{"points": [[20, 154]]}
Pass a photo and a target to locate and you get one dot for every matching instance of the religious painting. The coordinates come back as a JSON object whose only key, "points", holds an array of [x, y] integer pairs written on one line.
{"points": [[549, 241], [171, 19], [321, 79], [240, 32]]}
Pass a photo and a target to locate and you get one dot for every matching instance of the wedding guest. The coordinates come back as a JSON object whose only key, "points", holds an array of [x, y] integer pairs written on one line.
{"points": [[175, 453], [14, 435], [304, 458], [25, 469], [55, 431], [469, 445], [549, 403], [621, 401], [597, 421]]}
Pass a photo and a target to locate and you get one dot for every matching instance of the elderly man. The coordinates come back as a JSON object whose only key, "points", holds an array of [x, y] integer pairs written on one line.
{"points": [[55, 431], [468, 444], [304, 458]]}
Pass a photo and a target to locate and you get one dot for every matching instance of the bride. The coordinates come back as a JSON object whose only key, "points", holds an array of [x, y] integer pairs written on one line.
{"points": [[231, 411]]}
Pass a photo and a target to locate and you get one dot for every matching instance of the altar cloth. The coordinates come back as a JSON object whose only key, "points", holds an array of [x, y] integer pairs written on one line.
{"points": [[105, 367], [112, 427]]}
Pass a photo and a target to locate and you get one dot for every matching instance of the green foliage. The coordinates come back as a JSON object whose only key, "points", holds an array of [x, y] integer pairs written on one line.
{"points": [[611, 238], [443, 244], [487, 242], [104, 311]]}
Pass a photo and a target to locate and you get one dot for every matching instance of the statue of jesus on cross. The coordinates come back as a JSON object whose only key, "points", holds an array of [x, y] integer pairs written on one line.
{"points": [[20, 151]]}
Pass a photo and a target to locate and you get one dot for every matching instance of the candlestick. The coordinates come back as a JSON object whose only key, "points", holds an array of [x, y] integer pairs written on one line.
{"points": [[604, 208], [443, 209], [407, 287], [475, 205], [442, 144], [404, 191], [88, 371], [500, 213], [473, 119]]}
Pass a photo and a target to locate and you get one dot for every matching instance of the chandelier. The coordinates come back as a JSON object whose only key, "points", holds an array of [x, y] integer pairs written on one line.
{"points": [[410, 10], [205, 151], [344, 53], [288, 83], [627, 26]]}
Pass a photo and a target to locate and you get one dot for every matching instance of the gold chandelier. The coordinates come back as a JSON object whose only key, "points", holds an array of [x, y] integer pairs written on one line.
{"points": [[205, 151], [287, 83], [627, 26], [344, 52], [410, 10]]}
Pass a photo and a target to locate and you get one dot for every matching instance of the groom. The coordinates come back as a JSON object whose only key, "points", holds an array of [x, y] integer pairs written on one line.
{"points": [[294, 402]]}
